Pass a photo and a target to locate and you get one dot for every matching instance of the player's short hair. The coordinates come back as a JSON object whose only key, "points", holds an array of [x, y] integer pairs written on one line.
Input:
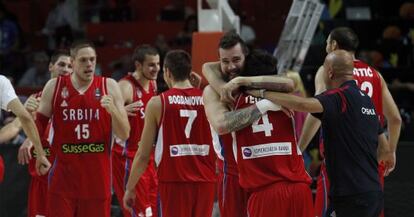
{"points": [[141, 51], [57, 54], [259, 62], [76, 46], [179, 64], [346, 38], [231, 39]]}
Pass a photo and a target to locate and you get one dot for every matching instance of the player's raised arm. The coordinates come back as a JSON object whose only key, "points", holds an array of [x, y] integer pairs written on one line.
{"points": [[211, 72], [225, 121]]}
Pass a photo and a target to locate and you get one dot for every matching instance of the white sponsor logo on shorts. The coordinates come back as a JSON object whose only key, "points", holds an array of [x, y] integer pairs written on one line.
{"points": [[190, 149], [264, 150]]}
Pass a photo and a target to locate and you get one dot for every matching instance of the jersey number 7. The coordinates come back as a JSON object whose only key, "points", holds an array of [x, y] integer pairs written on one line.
{"points": [[191, 114]]}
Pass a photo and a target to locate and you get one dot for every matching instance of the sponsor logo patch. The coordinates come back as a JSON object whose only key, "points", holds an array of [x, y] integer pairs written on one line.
{"points": [[83, 148], [265, 150], [189, 150]]}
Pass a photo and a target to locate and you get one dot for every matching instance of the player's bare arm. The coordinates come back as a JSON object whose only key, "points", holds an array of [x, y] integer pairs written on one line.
{"points": [[225, 121], [45, 104], [392, 115], [114, 104], [44, 112], [312, 124], [29, 127], [211, 72], [9, 131], [126, 90], [385, 154], [311, 105], [142, 157]]}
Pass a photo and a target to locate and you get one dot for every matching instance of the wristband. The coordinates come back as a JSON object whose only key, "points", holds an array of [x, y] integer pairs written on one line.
{"points": [[265, 105]]}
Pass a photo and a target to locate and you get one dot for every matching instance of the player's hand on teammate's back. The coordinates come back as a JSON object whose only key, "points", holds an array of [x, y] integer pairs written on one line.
{"points": [[24, 155], [195, 79], [129, 200], [42, 164], [228, 92], [32, 103], [132, 108], [107, 102]]}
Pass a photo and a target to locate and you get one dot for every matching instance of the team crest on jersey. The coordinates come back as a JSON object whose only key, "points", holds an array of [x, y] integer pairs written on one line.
{"points": [[97, 93], [64, 93]]}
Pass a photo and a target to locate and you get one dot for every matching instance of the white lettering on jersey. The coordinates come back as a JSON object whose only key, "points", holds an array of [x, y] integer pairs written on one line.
{"points": [[251, 99], [363, 72], [80, 114], [185, 100], [189, 150], [265, 150], [367, 111]]}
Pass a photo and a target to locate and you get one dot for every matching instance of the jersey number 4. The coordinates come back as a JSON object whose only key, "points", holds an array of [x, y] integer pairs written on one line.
{"points": [[191, 115], [265, 126]]}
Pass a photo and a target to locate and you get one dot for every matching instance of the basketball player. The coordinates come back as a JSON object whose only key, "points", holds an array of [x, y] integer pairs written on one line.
{"points": [[85, 109], [257, 173], [137, 89], [176, 121]]}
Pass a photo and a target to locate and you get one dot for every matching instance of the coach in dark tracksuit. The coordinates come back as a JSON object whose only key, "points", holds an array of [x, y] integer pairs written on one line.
{"points": [[352, 135]]}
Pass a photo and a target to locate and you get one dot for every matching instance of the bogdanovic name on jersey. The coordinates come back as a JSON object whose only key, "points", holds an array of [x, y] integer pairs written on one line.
{"points": [[185, 100], [80, 114], [264, 150], [83, 148], [189, 150]]}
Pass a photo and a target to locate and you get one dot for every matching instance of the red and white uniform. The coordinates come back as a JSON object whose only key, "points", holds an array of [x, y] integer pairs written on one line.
{"points": [[123, 154], [368, 80], [80, 178], [184, 155], [37, 200], [232, 198], [271, 166]]}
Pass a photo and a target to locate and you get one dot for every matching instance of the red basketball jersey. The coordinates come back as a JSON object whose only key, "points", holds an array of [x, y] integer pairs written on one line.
{"points": [[369, 80], [184, 151], [142, 96], [267, 151], [81, 141], [226, 162]]}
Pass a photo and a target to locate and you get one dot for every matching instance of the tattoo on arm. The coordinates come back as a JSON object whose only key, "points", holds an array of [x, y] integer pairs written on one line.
{"points": [[239, 119]]}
